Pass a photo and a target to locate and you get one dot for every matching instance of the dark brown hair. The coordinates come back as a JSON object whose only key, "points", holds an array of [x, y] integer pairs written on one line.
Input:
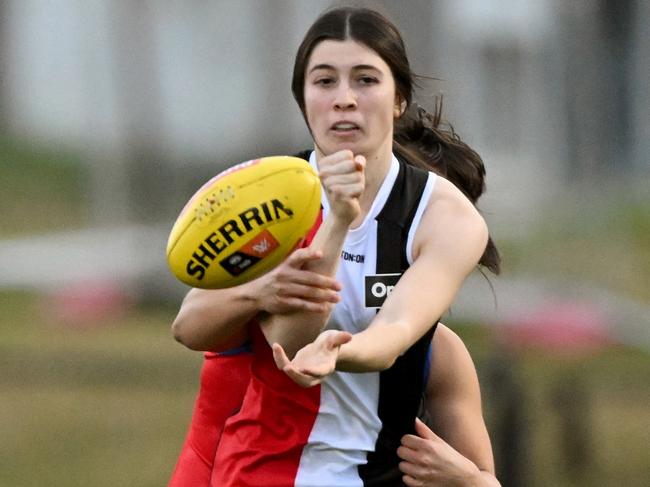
{"points": [[420, 138]]}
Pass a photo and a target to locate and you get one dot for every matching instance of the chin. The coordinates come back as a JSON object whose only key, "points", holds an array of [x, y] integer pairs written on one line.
{"points": [[355, 147], [329, 145]]}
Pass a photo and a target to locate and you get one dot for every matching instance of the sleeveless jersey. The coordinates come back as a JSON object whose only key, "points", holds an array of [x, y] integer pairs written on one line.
{"points": [[345, 431]]}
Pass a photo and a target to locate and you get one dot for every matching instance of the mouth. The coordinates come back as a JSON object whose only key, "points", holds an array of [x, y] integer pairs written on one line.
{"points": [[345, 128]]}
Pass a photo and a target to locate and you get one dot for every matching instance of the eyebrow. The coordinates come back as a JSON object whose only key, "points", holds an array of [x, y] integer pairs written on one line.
{"points": [[357, 67]]}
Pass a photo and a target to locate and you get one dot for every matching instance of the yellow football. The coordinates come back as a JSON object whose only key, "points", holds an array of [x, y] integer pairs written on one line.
{"points": [[243, 222]]}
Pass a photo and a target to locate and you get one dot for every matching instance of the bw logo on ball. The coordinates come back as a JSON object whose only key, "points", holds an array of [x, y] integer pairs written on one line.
{"points": [[378, 287], [251, 253]]}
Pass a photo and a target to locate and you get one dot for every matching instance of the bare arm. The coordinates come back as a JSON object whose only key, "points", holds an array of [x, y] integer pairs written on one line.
{"points": [[218, 319], [447, 246], [342, 176], [457, 450]]}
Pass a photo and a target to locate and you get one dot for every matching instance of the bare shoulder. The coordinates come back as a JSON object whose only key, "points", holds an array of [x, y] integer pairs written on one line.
{"points": [[451, 224], [446, 197]]}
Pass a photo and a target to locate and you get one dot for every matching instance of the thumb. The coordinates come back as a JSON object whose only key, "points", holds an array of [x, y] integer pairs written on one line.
{"points": [[423, 431], [338, 339], [280, 357], [359, 162]]}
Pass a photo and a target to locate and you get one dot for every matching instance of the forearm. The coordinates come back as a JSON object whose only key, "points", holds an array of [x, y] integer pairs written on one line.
{"points": [[478, 478], [373, 349], [215, 319], [296, 329], [487, 479]]}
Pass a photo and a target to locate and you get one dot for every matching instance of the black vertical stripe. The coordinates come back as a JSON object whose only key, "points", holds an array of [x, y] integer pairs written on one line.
{"points": [[401, 386]]}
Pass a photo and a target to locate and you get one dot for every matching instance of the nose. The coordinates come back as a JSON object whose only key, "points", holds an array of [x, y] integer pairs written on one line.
{"points": [[345, 98]]}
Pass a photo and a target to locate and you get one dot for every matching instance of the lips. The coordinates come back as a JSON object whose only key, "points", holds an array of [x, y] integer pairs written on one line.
{"points": [[344, 126]]}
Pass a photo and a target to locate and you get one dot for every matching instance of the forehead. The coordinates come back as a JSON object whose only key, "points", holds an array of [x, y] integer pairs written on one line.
{"points": [[344, 55]]}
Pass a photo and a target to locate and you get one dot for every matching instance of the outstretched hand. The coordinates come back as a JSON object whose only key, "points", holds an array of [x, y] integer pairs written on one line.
{"points": [[289, 287], [428, 460], [314, 361]]}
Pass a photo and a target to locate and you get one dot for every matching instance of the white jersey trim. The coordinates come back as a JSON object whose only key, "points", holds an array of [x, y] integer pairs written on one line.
{"points": [[422, 206]]}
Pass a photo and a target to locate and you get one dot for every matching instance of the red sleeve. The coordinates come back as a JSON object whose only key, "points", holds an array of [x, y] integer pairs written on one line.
{"points": [[312, 231]]}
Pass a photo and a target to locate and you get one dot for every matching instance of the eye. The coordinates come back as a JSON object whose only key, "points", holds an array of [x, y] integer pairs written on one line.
{"points": [[367, 80], [324, 81]]}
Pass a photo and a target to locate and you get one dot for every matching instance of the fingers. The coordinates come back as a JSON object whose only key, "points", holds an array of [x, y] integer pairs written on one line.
{"points": [[284, 364], [413, 442], [341, 168], [342, 176], [288, 304], [303, 380], [340, 160], [308, 278], [407, 454], [301, 256], [413, 473], [280, 357], [345, 172], [411, 482], [360, 163], [423, 431], [309, 292], [342, 155]]}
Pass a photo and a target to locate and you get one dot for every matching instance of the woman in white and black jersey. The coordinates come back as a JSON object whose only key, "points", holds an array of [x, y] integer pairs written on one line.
{"points": [[336, 372]]}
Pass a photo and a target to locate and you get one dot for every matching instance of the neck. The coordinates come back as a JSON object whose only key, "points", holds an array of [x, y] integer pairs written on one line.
{"points": [[376, 169]]}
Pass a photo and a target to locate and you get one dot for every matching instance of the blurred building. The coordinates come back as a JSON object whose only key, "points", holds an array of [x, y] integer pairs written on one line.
{"points": [[161, 94]]}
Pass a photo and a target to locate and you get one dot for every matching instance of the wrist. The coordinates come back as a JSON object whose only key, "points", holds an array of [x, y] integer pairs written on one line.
{"points": [[472, 476], [340, 219], [251, 295]]}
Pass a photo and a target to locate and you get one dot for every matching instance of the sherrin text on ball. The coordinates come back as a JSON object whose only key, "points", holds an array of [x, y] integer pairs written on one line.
{"points": [[243, 222]]}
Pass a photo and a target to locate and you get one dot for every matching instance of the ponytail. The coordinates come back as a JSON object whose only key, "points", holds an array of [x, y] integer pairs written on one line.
{"points": [[424, 140]]}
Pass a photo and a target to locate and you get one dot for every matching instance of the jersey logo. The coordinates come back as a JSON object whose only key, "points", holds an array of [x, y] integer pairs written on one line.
{"points": [[378, 287], [357, 258]]}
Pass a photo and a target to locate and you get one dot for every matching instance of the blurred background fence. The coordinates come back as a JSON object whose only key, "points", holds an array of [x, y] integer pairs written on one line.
{"points": [[113, 113]]}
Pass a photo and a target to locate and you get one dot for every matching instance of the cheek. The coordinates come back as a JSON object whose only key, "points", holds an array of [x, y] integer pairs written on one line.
{"points": [[384, 107], [312, 105]]}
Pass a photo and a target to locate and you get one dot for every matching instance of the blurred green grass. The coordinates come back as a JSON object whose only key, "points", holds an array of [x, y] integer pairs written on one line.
{"points": [[102, 405]]}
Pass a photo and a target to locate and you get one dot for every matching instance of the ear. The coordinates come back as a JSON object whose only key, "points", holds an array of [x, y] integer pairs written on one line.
{"points": [[400, 107]]}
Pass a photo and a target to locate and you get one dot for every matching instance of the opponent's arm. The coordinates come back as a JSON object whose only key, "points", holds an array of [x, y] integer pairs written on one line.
{"points": [[218, 319], [457, 450]]}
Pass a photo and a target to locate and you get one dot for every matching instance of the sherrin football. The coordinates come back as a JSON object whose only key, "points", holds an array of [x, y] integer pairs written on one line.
{"points": [[243, 222]]}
